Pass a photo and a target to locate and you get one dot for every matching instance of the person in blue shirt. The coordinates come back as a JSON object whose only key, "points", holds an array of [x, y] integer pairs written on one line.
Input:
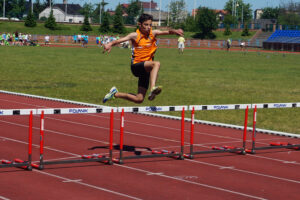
{"points": [[85, 41], [75, 38]]}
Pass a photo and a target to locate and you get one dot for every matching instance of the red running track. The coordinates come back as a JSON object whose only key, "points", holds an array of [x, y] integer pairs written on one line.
{"points": [[269, 174]]}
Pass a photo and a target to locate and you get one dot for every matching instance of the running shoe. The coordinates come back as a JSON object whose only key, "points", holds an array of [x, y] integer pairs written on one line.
{"points": [[111, 94], [155, 91]]}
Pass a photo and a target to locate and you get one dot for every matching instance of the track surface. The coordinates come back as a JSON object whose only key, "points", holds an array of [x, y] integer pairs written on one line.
{"points": [[269, 174]]}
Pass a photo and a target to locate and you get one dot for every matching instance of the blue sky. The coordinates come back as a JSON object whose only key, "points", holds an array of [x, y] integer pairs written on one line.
{"points": [[215, 4]]}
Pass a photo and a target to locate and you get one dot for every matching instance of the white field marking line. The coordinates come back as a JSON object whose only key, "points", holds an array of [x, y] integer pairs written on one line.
{"points": [[190, 182], [4, 198], [56, 132], [86, 184], [26, 143], [219, 166], [22, 103], [203, 144], [100, 141], [278, 160], [244, 171], [72, 181]]}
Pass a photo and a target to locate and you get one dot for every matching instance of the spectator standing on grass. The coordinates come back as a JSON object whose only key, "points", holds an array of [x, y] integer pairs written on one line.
{"points": [[228, 44], [47, 39], [75, 38], [243, 45], [79, 38], [143, 65], [85, 40], [181, 42]]}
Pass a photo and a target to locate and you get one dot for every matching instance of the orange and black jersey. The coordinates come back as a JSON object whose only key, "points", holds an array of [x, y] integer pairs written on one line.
{"points": [[144, 47]]}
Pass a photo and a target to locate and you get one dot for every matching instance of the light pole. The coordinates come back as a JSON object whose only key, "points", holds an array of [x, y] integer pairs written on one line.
{"points": [[159, 13], [150, 6], [100, 13]]}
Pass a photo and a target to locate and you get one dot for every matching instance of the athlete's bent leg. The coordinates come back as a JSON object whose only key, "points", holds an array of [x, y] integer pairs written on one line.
{"points": [[138, 98], [153, 68]]}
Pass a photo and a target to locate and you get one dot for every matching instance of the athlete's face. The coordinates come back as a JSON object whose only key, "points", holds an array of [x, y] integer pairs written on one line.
{"points": [[146, 26]]}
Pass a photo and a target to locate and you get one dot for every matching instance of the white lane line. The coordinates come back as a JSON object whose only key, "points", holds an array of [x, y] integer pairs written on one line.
{"points": [[194, 183], [245, 171], [56, 132], [278, 160], [4, 198], [205, 185], [72, 181], [87, 185]]}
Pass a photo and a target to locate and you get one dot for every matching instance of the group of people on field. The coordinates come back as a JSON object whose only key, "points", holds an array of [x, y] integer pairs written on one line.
{"points": [[16, 38]]}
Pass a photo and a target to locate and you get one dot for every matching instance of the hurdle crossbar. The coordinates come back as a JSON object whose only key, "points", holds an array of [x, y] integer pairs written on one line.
{"points": [[242, 150], [20, 163], [155, 154], [42, 163], [279, 146]]}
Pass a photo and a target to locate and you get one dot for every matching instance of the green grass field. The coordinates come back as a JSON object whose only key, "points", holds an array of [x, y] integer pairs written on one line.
{"points": [[197, 77]]}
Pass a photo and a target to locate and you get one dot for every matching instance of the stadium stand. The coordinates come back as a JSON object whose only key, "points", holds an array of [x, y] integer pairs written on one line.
{"points": [[287, 40]]}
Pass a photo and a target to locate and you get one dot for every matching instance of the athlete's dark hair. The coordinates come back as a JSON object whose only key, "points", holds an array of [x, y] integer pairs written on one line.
{"points": [[145, 17]]}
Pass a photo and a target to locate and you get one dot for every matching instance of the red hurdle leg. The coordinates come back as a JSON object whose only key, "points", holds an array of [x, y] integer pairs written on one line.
{"points": [[111, 135], [254, 130], [182, 135], [30, 141], [121, 136], [245, 130], [42, 140], [192, 132]]}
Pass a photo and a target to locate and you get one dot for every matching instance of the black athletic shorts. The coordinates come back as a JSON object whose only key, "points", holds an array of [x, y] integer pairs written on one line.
{"points": [[138, 70]]}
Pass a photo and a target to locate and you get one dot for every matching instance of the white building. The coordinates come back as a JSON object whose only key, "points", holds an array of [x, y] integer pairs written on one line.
{"points": [[64, 13]]}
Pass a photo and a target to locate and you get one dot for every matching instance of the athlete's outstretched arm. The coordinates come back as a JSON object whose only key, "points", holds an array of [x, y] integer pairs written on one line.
{"points": [[107, 47], [169, 32]]}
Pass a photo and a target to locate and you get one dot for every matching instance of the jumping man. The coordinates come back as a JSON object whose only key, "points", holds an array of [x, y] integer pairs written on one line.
{"points": [[142, 64]]}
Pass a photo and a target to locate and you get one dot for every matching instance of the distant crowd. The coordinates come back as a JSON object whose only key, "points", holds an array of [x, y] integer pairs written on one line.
{"points": [[100, 40], [15, 39]]}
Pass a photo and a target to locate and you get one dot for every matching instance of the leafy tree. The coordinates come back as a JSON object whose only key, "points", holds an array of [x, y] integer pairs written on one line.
{"points": [[87, 9], [270, 13], [227, 30], [30, 21], [177, 12], [118, 25], [104, 27], [133, 11], [190, 24], [206, 22], [50, 22], [14, 8], [243, 12], [289, 14], [289, 19], [38, 8], [245, 31], [228, 20], [86, 24]]}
